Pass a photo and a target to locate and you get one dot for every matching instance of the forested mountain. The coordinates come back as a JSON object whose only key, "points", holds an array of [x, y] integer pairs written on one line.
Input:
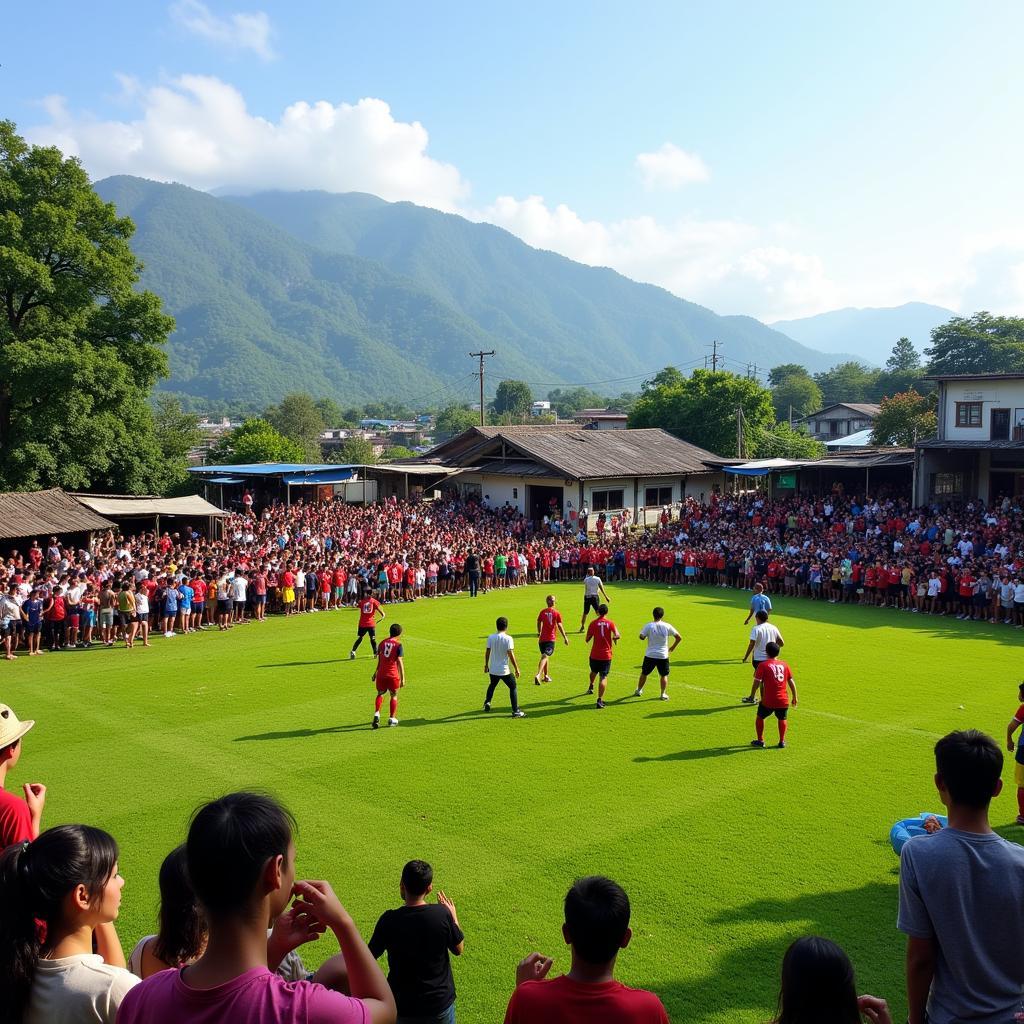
{"points": [[351, 297], [869, 332]]}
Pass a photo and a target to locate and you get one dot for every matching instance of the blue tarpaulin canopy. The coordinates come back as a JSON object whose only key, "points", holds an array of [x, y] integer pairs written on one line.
{"points": [[763, 467], [225, 480], [332, 476]]}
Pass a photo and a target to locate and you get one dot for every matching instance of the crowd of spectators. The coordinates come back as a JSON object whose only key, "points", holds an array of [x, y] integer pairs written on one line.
{"points": [[233, 917], [965, 561]]}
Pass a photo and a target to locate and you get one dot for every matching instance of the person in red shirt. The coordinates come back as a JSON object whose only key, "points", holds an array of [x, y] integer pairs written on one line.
{"points": [[369, 609], [966, 588], [602, 634], [549, 625], [198, 585], [389, 675], [775, 681], [20, 820], [596, 927]]}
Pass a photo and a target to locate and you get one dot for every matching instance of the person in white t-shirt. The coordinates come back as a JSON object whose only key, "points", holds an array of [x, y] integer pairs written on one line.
{"points": [[498, 658], [592, 587], [762, 634], [657, 634], [68, 880]]}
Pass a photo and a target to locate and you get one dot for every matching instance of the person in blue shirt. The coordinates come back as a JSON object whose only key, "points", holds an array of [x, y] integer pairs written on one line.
{"points": [[170, 610], [32, 613], [185, 597], [760, 602]]}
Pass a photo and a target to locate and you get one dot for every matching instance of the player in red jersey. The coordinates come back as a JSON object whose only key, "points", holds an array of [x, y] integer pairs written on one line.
{"points": [[549, 625], [776, 682], [389, 675], [369, 609], [603, 635]]}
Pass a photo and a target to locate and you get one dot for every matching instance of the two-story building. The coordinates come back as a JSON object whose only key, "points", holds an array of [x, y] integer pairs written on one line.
{"points": [[840, 420], [978, 450]]}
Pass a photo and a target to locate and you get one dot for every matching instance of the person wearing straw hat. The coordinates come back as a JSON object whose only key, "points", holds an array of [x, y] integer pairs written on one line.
{"points": [[20, 820]]}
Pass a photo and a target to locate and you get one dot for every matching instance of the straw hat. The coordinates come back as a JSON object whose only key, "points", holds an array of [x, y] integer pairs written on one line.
{"points": [[11, 728]]}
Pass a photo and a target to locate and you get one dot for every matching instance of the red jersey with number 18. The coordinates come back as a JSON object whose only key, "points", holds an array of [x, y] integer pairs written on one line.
{"points": [[547, 623], [773, 675], [367, 609], [601, 632]]}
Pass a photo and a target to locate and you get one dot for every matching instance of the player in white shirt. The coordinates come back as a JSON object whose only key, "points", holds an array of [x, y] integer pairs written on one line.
{"points": [[499, 655], [592, 586], [657, 634], [760, 636]]}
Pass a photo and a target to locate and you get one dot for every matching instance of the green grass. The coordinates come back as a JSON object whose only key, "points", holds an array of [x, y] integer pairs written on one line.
{"points": [[727, 852]]}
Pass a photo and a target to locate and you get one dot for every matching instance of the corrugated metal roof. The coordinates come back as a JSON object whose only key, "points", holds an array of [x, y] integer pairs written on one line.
{"points": [[979, 445], [28, 513], [586, 454], [129, 505]]}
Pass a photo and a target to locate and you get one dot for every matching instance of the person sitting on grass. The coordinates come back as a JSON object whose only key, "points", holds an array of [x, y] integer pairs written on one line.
{"points": [[241, 861], [59, 897], [417, 938], [818, 986], [596, 927], [961, 891], [183, 934]]}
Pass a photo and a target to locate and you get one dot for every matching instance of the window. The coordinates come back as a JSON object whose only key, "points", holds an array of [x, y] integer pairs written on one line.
{"points": [[605, 501], [515, 493], [968, 414], [657, 496], [947, 484]]}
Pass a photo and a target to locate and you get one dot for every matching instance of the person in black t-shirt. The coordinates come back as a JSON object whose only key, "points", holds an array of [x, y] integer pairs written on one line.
{"points": [[473, 571], [417, 938]]}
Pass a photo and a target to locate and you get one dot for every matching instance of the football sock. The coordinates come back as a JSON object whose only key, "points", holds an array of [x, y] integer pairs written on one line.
{"points": [[759, 726], [379, 702], [394, 706], [1020, 801], [783, 726]]}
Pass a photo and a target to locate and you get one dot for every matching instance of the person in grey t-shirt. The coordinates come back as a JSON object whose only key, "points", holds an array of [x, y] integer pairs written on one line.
{"points": [[962, 898]]}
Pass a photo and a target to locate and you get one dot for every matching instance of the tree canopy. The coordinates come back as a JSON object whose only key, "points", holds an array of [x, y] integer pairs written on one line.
{"points": [[796, 394], [255, 440], [702, 408], [80, 348], [513, 398], [785, 442], [981, 343], [356, 451], [298, 418], [904, 419], [454, 419]]}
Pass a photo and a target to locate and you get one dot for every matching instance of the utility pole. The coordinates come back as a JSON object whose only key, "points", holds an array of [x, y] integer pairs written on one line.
{"points": [[739, 432], [714, 355], [481, 356]]}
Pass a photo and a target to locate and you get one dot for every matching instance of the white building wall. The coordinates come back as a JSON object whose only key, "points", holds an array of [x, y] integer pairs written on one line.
{"points": [[995, 393], [498, 489]]}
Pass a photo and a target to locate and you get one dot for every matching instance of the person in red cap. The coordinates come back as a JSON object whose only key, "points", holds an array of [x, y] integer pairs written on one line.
{"points": [[20, 820]]}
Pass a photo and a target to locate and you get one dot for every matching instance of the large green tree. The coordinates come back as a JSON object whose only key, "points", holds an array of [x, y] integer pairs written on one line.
{"points": [[796, 395], [254, 441], [177, 433], [702, 409], [356, 451], [777, 374], [454, 419], [298, 418], [784, 442], [981, 343], [848, 382], [904, 419], [513, 399], [568, 401], [80, 348]]}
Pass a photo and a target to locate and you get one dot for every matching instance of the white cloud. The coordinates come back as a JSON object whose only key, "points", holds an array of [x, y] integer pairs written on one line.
{"points": [[198, 131], [243, 31], [728, 265], [671, 167]]}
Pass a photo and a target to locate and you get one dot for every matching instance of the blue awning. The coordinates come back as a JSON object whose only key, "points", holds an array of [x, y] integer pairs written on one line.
{"points": [[225, 480], [333, 476], [740, 471]]}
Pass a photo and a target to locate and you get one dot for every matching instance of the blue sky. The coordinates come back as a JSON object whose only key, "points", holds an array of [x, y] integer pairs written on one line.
{"points": [[773, 160]]}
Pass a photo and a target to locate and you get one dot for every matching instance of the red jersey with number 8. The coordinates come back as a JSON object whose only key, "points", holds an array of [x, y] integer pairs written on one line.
{"points": [[388, 653]]}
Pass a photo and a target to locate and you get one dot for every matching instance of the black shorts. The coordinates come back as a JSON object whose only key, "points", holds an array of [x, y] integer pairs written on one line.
{"points": [[600, 668], [8, 629], [755, 662], [650, 664], [369, 631], [142, 616], [223, 605], [763, 711], [590, 602], [546, 647]]}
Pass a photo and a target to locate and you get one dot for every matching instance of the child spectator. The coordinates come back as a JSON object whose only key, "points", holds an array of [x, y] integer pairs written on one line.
{"points": [[417, 938], [818, 985], [20, 820], [241, 862], [961, 891], [59, 894], [596, 927]]}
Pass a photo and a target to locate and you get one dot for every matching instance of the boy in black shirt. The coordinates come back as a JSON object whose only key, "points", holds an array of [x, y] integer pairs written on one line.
{"points": [[417, 938]]}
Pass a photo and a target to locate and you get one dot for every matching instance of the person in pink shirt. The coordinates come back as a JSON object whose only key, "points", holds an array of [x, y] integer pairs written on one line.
{"points": [[241, 862]]}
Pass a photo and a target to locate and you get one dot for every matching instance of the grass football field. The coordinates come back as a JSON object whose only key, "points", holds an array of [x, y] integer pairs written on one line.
{"points": [[727, 852]]}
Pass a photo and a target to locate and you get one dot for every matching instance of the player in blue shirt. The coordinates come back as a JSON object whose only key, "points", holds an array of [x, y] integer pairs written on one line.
{"points": [[185, 596], [760, 602]]}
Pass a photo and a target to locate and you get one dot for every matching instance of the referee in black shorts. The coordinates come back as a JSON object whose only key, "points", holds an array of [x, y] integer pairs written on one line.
{"points": [[657, 634]]}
